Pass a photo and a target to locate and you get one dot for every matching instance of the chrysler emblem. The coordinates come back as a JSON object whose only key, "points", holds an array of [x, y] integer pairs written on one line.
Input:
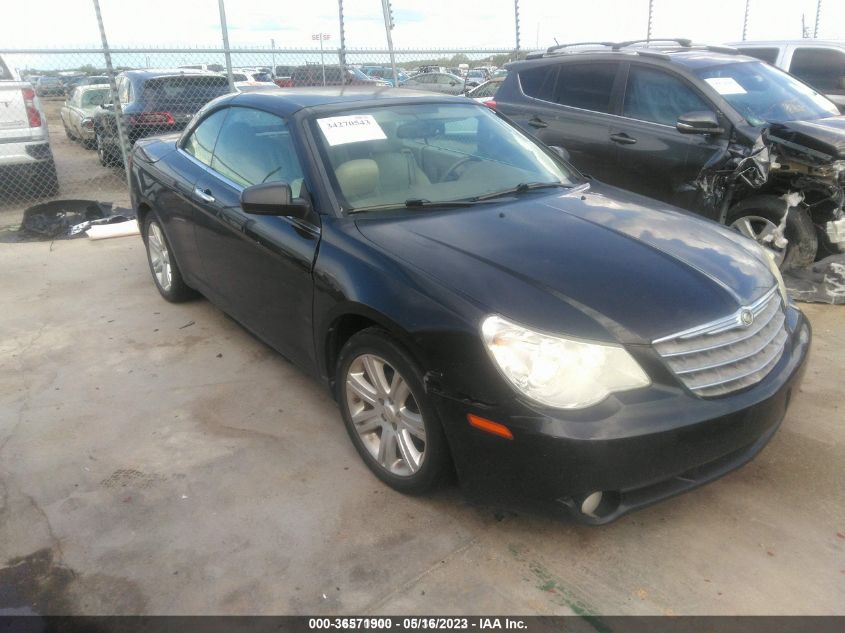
{"points": [[747, 317]]}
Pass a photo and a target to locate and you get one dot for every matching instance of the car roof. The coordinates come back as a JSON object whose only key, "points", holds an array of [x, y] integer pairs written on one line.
{"points": [[691, 57], [168, 72], [288, 101], [802, 42]]}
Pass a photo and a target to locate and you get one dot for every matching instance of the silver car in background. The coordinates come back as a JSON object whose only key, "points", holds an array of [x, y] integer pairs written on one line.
{"points": [[78, 112]]}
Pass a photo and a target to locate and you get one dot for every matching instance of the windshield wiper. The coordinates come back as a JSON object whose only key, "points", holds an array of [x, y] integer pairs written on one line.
{"points": [[521, 188], [416, 203]]}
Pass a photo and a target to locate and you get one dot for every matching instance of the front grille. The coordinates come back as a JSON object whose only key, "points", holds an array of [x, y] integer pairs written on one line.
{"points": [[727, 355]]}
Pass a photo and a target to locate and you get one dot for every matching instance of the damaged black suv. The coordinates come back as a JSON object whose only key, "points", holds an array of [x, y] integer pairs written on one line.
{"points": [[701, 127]]}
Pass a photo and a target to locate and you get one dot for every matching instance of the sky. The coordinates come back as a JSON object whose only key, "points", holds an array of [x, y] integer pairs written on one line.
{"points": [[419, 23]]}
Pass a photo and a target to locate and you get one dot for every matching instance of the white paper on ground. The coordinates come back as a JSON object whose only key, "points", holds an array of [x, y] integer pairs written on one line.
{"points": [[119, 229], [355, 128], [726, 85]]}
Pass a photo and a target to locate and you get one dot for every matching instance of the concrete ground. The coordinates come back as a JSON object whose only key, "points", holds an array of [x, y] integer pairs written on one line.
{"points": [[155, 458]]}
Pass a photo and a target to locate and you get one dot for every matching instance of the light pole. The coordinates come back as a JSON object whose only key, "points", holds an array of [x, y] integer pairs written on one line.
{"points": [[818, 12]]}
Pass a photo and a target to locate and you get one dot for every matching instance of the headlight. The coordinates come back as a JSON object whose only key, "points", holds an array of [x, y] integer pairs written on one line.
{"points": [[556, 371], [773, 267]]}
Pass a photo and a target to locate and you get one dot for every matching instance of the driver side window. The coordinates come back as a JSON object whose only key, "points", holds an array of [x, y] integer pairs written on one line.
{"points": [[658, 97], [255, 147], [200, 144]]}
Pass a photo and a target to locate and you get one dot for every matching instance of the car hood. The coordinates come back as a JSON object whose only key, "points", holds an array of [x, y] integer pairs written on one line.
{"points": [[823, 135], [593, 261]]}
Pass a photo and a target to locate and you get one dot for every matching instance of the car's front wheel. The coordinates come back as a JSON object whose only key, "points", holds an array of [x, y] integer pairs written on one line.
{"points": [[759, 218], [393, 426], [166, 274]]}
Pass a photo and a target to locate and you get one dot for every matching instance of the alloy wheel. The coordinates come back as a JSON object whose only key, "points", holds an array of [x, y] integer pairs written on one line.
{"points": [[386, 415], [762, 230], [159, 257]]}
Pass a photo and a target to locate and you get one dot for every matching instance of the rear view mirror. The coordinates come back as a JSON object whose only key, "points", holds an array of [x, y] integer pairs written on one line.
{"points": [[273, 198], [698, 122]]}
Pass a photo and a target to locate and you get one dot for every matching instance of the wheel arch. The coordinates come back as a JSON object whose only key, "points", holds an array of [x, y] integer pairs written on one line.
{"points": [[349, 319]]}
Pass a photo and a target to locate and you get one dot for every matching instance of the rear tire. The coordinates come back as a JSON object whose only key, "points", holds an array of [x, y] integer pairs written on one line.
{"points": [[384, 405], [166, 274], [105, 153], [754, 217]]}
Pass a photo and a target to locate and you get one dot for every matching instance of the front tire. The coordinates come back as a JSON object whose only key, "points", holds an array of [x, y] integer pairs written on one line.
{"points": [[758, 216], [391, 423], [166, 274]]}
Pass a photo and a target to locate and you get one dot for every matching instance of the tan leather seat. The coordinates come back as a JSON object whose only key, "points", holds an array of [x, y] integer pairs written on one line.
{"points": [[398, 170], [358, 178]]}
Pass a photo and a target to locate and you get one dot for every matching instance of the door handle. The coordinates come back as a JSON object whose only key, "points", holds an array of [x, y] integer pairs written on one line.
{"points": [[537, 122], [203, 194], [622, 139]]}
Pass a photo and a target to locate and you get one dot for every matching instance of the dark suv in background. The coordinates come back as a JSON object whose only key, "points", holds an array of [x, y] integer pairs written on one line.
{"points": [[701, 127], [154, 102]]}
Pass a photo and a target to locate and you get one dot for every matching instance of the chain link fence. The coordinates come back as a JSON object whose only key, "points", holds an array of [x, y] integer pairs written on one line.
{"points": [[68, 122]]}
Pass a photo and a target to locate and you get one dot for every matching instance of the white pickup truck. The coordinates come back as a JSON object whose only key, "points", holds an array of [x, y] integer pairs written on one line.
{"points": [[26, 160]]}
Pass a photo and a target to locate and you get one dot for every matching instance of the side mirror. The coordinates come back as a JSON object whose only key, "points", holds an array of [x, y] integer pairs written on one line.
{"points": [[273, 198], [560, 151], [699, 122]]}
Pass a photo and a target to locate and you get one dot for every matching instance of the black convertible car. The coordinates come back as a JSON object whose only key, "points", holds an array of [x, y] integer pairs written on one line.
{"points": [[472, 300]]}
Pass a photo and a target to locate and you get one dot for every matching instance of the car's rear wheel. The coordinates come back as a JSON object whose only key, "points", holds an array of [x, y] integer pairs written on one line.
{"points": [[105, 153], [393, 426], [759, 218], [166, 274]]}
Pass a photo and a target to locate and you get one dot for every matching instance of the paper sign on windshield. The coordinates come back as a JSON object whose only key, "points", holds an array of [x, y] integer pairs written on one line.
{"points": [[339, 130], [726, 85]]}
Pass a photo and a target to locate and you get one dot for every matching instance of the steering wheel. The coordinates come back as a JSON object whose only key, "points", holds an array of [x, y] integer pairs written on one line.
{"points": [[452, 172]]}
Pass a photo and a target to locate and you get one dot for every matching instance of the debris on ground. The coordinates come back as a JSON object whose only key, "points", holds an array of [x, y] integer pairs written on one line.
{"points": [[823, 282], [66, 219], [113, 229]]}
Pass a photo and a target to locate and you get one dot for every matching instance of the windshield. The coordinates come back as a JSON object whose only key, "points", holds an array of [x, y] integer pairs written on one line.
{"points": [[91, 98], [385, 156], [763, 94]]}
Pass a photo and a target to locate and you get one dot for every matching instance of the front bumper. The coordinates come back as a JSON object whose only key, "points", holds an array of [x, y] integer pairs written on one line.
{"points": [[637, 448]]}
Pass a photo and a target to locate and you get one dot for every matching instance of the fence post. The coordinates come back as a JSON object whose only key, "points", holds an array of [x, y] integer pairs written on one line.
{"points": [[342, 53], [226, 52], [118, 108], [388, 27], [745, 21]]}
